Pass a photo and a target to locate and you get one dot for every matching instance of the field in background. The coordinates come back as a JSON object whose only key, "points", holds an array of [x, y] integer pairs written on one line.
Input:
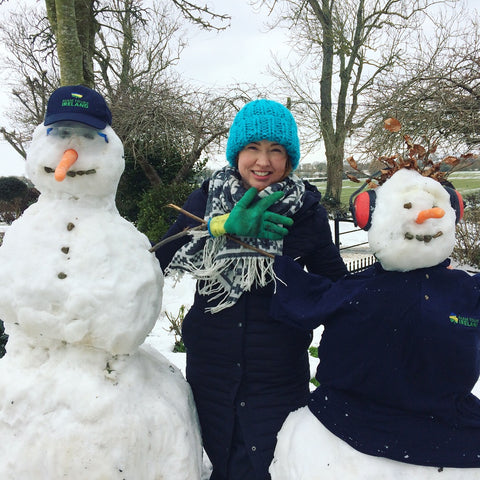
{"points": [[464, 182]]}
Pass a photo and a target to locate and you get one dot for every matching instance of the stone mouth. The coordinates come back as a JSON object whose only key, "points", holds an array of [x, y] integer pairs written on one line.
{"points": [[423, 238], [72, 173]]}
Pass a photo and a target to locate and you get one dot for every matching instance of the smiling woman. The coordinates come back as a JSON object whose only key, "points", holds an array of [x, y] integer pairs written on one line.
{"points": [[246, 370]]}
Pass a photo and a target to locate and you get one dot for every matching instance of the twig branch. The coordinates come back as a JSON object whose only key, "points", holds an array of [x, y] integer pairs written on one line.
{"points": [[188, 214], [174, 237], [230, 237]]}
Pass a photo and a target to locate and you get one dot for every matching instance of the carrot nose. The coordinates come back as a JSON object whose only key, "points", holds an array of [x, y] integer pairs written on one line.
{"points": [[435, 212], [68, 159]]}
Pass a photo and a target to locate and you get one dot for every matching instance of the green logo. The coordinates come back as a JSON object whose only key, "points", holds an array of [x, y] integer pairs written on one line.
{"points": [[76, 101], [465, 321]]}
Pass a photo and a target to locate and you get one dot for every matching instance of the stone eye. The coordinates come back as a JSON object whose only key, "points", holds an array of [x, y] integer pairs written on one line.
{"points": [[407, 205]]}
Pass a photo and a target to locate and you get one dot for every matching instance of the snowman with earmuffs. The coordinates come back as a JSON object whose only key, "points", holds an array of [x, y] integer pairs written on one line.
{"points": [[399, 356], [80, 396]]}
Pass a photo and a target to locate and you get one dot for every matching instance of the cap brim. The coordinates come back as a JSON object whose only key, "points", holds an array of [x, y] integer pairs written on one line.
{"points": [[75, 117]]}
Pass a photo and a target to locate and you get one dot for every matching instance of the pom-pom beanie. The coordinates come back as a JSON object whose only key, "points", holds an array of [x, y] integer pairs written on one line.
{"points": [[263, 120]]}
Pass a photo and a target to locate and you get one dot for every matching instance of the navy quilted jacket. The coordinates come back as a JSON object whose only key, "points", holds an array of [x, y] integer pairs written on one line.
{"points": [[242, 365], [399, 357]]}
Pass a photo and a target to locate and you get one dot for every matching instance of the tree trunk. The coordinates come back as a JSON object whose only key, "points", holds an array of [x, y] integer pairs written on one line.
{"points": [[333, 148], [87, 28], [74, 25], [335, 155]]}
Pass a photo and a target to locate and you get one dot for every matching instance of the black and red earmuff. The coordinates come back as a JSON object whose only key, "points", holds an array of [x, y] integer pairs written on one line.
{"points": [[456, 201], [362, 209], [363, 205]]}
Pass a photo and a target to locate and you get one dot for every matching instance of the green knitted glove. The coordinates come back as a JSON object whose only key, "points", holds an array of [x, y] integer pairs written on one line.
{"points": [[247, 220]]}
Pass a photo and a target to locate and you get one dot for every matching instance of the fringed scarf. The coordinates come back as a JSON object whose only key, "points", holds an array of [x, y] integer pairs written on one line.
{"points": [[224, 268]]}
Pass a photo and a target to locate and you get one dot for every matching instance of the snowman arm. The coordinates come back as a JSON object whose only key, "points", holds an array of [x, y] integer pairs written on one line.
{"points": [[195, 204], [187, 231], [324, 257], [301, 299]]}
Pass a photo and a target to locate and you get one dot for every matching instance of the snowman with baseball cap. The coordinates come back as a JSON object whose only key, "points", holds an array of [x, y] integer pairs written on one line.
{"points": [[81, 397], [399, 354]]}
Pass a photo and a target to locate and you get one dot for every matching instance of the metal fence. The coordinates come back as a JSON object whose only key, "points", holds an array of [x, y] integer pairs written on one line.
{"points": [[356, 265]]}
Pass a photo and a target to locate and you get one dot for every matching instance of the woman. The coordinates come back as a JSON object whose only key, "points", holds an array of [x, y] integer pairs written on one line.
{"points": [[247, 371]]}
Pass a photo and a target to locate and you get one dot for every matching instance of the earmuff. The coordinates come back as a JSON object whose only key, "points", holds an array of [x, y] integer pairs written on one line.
{"points": [[362, 209], [363, 205], [456, 201]]}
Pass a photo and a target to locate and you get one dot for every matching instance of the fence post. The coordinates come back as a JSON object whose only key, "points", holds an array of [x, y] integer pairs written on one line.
{"points": [[336, 222]]}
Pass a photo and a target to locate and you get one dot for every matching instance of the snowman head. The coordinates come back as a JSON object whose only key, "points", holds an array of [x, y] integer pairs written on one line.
{"points": [[413, 221], [75, 151]]}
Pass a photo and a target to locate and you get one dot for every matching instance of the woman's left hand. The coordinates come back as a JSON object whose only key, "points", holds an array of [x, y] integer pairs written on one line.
{"points": [[247, 220]]}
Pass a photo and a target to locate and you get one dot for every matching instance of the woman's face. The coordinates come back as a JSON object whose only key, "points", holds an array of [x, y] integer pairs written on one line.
{"points": [[262, 163]]}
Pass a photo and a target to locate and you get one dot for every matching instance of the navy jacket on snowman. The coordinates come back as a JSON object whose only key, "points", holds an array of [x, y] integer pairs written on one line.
{"points": [[248, 371], [399, 357]]}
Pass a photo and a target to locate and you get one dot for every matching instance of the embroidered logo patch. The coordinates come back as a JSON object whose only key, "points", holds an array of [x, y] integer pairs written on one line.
{"points": [[465, 321], [76, 101]]}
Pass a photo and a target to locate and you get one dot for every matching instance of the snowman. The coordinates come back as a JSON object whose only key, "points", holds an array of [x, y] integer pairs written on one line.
{"points": [[80, 396], [399, 353]]}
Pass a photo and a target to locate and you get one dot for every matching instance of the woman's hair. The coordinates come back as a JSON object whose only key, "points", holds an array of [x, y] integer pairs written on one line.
{"points": [[264, 120], [288, 169]]}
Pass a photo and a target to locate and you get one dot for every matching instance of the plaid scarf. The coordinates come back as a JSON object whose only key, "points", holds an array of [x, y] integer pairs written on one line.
{"points": [[225, 268]]}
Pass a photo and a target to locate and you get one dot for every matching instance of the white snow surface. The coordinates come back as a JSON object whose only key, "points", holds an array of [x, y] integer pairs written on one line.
{"points": [[77, 412]]}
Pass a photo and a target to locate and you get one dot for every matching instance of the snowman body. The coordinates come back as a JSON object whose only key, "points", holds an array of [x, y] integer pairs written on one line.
{"points": [[76, 412], [307, 450], [80, 396], [94, 291], [398, 354]]}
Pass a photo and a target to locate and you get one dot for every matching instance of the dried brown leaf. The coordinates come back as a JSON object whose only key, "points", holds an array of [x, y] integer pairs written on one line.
{"points": [[450, 160], [418, 150], [353, 178], [408, 140], [392, 125], [352, 163], [390, 161], [428, 172]]}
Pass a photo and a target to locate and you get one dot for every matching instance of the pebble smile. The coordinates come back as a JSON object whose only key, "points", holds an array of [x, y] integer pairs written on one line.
{"points": [[423, 238], [72, 173]]}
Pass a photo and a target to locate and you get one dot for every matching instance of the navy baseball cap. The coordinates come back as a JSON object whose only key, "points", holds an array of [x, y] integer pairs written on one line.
{"points": [[79, 104]]}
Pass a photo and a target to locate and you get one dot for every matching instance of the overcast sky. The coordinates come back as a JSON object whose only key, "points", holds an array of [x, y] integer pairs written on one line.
{"points": [[239, 54]]}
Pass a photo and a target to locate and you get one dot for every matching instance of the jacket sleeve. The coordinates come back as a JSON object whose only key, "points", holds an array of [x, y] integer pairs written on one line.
{"points": [[321, 256], [298, 297], [195, 204]]}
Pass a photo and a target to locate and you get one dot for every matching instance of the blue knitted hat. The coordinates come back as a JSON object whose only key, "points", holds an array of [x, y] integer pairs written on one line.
{"points": [[263, 120]]}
